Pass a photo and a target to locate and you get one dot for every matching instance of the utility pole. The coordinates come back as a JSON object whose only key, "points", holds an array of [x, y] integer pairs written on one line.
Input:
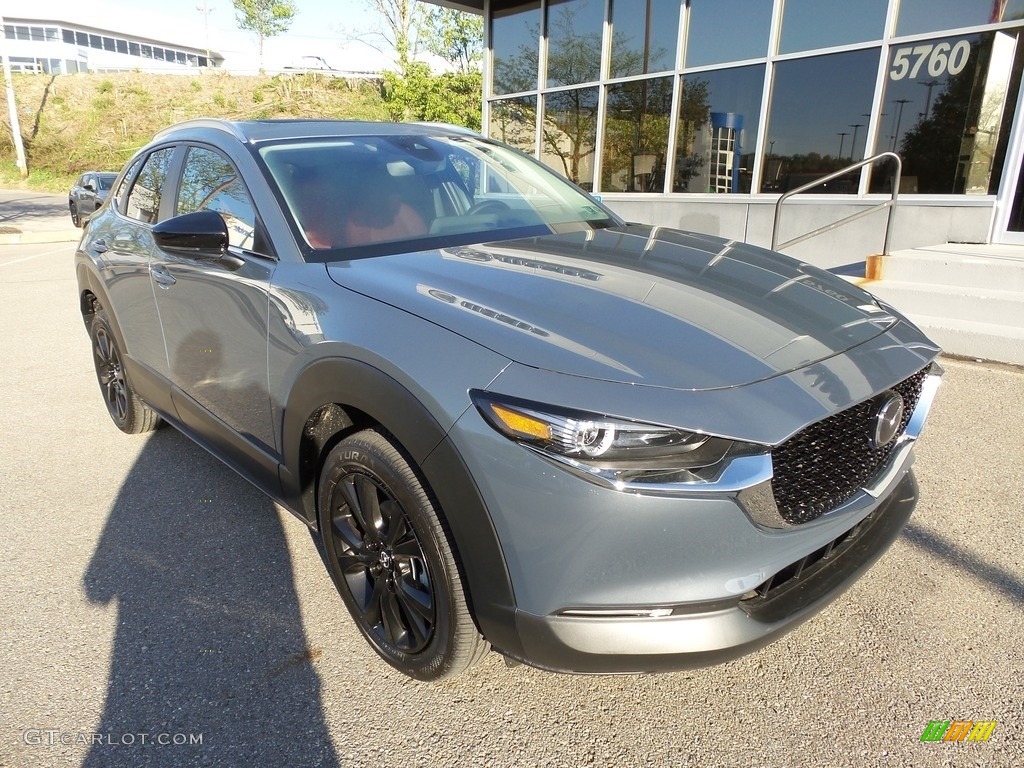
{"points": [[12, 107], [853, 144], [206, 23], [842, 137]]}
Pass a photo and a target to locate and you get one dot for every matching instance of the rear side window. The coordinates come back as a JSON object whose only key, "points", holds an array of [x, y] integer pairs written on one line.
{"points": [[209, 182], [122, 187], [144, 199]]}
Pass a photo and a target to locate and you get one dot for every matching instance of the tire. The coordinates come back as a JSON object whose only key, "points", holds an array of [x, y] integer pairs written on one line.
{"points": [[75, 218], [391, 560], [126, 410]]}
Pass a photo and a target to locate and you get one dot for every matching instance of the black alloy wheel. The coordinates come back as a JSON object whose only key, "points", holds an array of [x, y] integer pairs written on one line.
{"points": [[126, 410], [391, 560]]}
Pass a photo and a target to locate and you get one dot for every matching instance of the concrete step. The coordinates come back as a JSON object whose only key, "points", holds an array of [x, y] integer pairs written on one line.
{"points": [[984, 341], [934, 266], [983, 305]]}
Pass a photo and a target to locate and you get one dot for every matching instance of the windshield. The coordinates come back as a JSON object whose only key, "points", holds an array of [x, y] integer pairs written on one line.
{"points": [[370, 195]]}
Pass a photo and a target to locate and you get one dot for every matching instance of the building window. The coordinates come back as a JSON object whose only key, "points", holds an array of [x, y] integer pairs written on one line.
{"points": [[717, 35], [948, 108], [147, 52], [108, 44], [133, 49], [95, 41], [82, 39], [815, 104], [68, 36], [37, 34], [514, 121], [574, 32], [569, 134], [635, 141], [808, 24], [515, 36], [644, 42], [20, 32], [718, 106], [917, 16], [122, 46]]}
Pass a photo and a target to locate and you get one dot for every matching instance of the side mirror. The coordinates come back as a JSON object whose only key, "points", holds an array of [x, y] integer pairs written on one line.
{"points": [[199, 235], [89, 186]]}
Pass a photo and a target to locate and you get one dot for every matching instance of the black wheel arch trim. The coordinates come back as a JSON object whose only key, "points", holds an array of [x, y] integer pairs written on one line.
{"points": [[353, 384]]}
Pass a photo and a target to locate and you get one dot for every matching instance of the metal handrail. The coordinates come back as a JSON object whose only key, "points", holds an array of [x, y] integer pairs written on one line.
{"points": [[890, 204]]}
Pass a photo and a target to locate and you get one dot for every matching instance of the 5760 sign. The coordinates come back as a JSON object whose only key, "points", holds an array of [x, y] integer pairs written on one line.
{"points": [[935, 58]]}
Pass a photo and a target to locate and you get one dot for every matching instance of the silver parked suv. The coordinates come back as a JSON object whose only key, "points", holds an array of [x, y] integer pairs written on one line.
{"points": [[515, 420]]}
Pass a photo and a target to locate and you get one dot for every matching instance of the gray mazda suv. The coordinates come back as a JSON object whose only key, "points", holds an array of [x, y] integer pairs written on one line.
{"points": [[515, 421]]}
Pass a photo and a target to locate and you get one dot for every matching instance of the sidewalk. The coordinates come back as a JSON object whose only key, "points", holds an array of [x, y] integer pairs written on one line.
{"points": [[35, 217]]}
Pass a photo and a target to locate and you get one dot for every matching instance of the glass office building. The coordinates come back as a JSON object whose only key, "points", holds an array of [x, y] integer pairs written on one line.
{"points": [[699, 113]]}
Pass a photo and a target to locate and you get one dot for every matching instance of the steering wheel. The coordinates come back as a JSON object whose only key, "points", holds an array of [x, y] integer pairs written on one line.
{"points": [[487, 206]]}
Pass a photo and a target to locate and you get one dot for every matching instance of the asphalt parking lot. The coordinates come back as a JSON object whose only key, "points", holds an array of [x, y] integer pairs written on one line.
{"points": [[151, 597]]}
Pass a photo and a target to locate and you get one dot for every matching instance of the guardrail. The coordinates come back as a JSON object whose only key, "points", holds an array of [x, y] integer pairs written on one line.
{"points": [[890, 203]]}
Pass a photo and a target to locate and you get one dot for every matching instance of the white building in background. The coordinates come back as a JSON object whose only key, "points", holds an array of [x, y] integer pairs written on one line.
{"points": [[57, 46]]}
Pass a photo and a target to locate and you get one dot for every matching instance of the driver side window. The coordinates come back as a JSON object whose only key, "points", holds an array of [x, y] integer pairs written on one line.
{"points": [[209, 182]]}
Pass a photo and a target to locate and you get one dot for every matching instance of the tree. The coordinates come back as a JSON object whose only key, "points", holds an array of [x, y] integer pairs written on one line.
{"points": [[456, 37], [398, 29], [265, 18], [419, 94]]}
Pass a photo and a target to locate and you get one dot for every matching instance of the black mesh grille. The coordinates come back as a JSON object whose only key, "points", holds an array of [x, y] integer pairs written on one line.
{"points": [[822, 466]]}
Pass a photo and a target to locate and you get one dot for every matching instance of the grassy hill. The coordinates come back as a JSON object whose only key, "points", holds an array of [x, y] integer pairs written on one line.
{"points": [[73, 123]]}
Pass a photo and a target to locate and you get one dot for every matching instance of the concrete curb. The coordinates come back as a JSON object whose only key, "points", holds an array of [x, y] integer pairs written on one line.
{"points": [[57, 236]]}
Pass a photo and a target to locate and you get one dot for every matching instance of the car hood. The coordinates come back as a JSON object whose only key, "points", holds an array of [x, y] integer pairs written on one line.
{"points": [[640, 305]]}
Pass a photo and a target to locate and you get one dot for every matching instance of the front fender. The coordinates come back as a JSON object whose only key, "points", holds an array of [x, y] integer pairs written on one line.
{"points": [[354, 384]]}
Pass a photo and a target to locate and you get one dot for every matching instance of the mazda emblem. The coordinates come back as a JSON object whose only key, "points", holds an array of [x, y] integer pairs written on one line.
{"points": [[888, 419]]}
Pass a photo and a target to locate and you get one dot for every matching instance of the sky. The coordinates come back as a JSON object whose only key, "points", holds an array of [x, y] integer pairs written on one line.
{"points": [[320, 28]]}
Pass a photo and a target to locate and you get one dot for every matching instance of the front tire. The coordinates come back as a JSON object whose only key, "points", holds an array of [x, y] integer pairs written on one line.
{"points": [[126, 410], [391, 560], [75, 218]]}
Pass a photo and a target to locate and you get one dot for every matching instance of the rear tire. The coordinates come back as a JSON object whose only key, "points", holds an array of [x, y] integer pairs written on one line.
{"points": [[391, 560], [126, 410]]}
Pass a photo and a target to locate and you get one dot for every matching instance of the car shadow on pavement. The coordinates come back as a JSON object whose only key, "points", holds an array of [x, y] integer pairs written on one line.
{"points": [[209, 643], [959, 557]]}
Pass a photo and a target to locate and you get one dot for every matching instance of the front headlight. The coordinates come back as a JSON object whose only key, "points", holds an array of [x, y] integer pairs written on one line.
{"points": [[616, 451]]}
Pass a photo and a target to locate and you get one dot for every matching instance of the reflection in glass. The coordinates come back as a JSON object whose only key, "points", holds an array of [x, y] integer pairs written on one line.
{"points": [[210, 182], [515, 36], [949, 104], [574, 34], [514, 121], [727, 30], [815, 103], [918, 16], [643, 42], [808, 24], [144, 198], [569, 134], [735, 96], [636, 136]]}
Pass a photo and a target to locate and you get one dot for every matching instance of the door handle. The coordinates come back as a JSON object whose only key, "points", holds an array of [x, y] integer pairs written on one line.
{"points": [[163, 278]]}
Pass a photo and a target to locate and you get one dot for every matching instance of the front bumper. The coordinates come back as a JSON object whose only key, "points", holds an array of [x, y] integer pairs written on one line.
{"points": [[699, 635]]}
